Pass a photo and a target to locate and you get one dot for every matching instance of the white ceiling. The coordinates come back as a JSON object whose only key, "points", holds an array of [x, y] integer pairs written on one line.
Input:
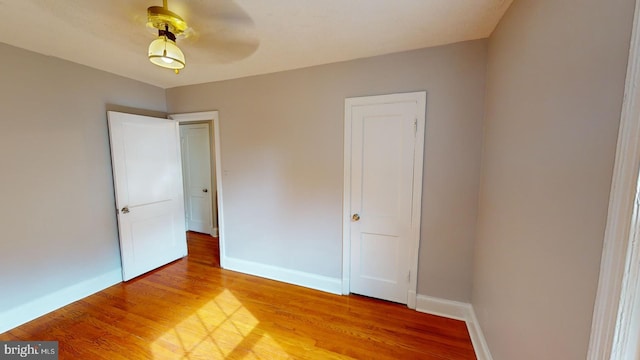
{"points": [[233, 39]]}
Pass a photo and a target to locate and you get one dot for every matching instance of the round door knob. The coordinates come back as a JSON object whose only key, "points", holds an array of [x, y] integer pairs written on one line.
{"points": [[205, 190], [125, 210], [355, 217]]}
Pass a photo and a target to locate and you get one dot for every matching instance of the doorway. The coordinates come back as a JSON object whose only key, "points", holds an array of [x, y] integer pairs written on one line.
{"points": [[214, 191], [196, 177], [384, 147]]}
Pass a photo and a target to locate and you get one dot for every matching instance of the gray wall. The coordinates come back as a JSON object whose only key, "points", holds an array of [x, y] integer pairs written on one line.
{"points": [[57, 219], [554, 93], [282, 158]]}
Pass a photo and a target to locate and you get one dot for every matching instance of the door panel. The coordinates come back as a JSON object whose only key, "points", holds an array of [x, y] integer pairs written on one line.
{"points": [[381, 230], [148, 186], [378, 246]]}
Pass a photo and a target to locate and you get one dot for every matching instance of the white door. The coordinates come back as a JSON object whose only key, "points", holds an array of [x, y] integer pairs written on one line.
{"points": [[385, 168], [145, 156], [196, 162]]}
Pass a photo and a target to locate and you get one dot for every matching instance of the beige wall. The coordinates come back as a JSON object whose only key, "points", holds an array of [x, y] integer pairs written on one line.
{"points": [[282, 167], [554, 93], [57, 219]]}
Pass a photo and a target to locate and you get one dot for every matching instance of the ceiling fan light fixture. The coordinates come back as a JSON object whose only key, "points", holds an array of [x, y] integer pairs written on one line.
{"points": [[164, 52]]}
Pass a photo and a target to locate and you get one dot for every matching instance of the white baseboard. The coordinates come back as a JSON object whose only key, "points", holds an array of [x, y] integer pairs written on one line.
{"points": [[26, 312], [441, 307], [213, 231], [459, 311], [477, 337], [317, 282]]}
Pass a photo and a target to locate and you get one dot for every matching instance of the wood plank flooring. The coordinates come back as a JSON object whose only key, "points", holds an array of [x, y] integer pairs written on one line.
{"points": [[192, 309]]}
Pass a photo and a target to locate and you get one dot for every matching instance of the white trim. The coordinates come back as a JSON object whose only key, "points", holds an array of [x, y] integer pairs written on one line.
{"points": [[420, 98], [416, 209], [313, 281], [346, 203], [625, 341], [215, 119], [442, 307], [194, 116], [412, 301], [33, 309], [477, 337], [616, 286], [218, 154], [458, 311]]}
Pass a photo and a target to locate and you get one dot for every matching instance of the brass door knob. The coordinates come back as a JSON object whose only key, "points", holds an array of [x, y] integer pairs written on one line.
{"points": [[125, 210], [355, 217]]}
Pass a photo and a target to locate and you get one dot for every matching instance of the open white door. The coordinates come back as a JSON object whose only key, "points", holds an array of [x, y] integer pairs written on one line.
{"points": [[383, 182], [145, 153]]}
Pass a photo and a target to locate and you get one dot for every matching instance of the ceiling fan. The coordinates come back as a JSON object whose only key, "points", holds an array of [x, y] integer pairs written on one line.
{"points": [[225, 34], [164, 51]]}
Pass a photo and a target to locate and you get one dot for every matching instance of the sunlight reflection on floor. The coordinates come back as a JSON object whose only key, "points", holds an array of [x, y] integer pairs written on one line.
{"points": [[223, 328]]}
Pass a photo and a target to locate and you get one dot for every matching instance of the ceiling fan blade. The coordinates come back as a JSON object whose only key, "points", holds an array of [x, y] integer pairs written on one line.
{"points": [[221, 32], [222, 50], [222, 45]]}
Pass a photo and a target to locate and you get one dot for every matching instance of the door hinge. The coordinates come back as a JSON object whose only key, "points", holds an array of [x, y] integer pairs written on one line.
{"points": [[415, 126]]}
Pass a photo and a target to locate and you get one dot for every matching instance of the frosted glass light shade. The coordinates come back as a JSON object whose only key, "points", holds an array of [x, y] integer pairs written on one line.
{"points": [[165, 53]]}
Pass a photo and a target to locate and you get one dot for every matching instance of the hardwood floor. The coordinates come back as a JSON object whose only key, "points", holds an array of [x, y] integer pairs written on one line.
{"points": [[192, 309], [203, 249]]}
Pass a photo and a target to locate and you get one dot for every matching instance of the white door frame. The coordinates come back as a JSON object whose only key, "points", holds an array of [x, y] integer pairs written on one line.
{"points": [[213, 117], [421, 99], [615, 317]]}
